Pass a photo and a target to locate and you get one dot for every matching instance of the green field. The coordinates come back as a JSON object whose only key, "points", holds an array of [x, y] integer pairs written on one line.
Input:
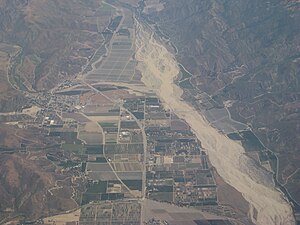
{"points": [[68, 164], [162, 196], [94, 149], [184, 74], [70, 137], [97, 188], [109, 124], [186, 84], [76, 148], [251, 142], [101, 160], [235, 136], [133, 184]]}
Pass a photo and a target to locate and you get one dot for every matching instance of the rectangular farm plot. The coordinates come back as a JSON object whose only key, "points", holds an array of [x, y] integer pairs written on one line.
{"points": [[100, 171], [135, 149], [111, 176], [124, 149], [104, 172], [90, 197], [94, 149], [127, 166], [134, 184], [115, 72], [108, 65], [103, 71], [120, 66], [98, 167], [122, 47], [130, 65], [97, 158], [130, 175], [111, 213], [127, 158], [216, 114], [127, 73], [129, 125], [103, 176], [76, 116], [122, 43], [91, 138], [112, 78], [104, 116], [127, 79], [111, 138], [75, 148], [97, 187], [109, 124], [96, 77], [110, 127], [118, 55], [162, 196]]}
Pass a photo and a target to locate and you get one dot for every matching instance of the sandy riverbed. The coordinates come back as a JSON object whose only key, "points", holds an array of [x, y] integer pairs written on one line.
{"points": [[159, 69]]}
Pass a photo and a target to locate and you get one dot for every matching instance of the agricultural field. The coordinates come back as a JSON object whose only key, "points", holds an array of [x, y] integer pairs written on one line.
{"points": [[118, 63], [111, 213], [91, 138], [124, 149]]}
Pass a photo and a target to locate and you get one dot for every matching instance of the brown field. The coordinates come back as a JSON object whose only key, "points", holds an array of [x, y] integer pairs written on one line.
{"points": [[127, 158], [127, 167], [118, 94], [12, 136], [172, 213], [111, 138], [76, 116], [91, 138], [91, 127], [98, 108], [104, 119], [98, 167], [63, 219], [161, 123], [94, 98], [179, 125], [230, 196]]}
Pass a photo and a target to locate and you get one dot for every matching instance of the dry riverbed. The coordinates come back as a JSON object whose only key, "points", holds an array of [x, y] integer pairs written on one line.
{"points": [[159, 69]]}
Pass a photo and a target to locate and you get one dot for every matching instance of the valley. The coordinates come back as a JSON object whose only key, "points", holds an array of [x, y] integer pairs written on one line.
{"points": [[125, 121]]}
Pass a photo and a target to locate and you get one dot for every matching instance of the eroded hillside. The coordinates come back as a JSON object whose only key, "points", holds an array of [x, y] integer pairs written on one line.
{"points": [[55, 38]]}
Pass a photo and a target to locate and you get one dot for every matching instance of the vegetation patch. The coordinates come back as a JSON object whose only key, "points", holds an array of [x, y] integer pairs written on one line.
{"points": [[115, 23], [68, 164], [101, 159], [113, 124], [235, 136], [251, 142], [99, 187], [162, 196], [133, 184], [139, 115], [94, 149], [76, 148], [186, 84], [184, 74], [70, 137]]}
